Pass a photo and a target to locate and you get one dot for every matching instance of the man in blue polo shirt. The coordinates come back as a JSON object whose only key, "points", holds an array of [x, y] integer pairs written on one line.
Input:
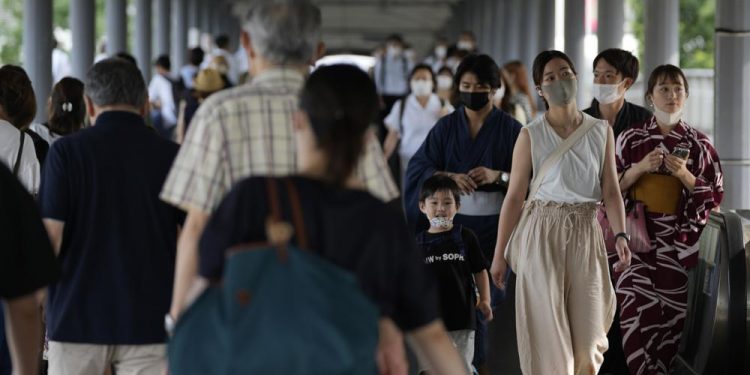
{"points": [[114, 238]]}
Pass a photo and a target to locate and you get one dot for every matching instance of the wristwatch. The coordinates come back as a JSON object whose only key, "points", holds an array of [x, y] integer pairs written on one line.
{"points": [[503, 178], [623, 235], [169, 324]]}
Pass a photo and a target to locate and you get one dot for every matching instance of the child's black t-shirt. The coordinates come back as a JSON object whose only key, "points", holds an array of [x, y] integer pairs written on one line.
{"points": [[454, 257]]}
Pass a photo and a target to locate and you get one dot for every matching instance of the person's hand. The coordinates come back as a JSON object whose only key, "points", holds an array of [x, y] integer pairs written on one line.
{"points": [[483, 175], [497, 272], [676, 166], [651, 162], [464, 182], [486, 309], [623, 252]]}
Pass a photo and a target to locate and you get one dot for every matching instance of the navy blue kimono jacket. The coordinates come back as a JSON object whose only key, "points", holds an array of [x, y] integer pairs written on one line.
{"points": [[449, 148]]}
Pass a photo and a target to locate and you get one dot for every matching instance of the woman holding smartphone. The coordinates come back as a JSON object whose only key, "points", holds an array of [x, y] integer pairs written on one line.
{"points": [[674, 169]]}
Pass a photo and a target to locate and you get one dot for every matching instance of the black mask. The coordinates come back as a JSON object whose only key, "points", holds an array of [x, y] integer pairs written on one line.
{"points": [[474, 100]]}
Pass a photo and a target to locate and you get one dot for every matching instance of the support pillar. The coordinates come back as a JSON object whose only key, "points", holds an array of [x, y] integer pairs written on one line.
{"points": [[530, 34], [194, 32], [575, 30], [162, 27], [117, 26], [731, 98], [179, 34], [489, 29], [611, 22], [37, 51], [81, 20], [546, 26], [661, 34], [143, 36]]}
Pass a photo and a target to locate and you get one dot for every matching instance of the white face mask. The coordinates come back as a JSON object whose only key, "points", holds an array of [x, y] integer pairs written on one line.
{"points": [[394, 51], [667, 118], [465, 45], [606, 94], [440, 52], [441, 222], [444, 82], [421, 87], [499, 94]]}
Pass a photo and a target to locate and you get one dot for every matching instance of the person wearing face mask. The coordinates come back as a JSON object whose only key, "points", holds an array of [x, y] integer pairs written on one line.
{"points": [[518, 85], [564, 298], [412, 117], [467, 42], [437, 59], [473, 146], [503, 99], [453, 255], [615, 71], [444, 82], [391, 76], [675, 170]]}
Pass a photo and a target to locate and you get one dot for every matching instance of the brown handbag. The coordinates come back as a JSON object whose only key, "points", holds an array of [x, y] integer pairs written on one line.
{"points": [[635, 226]]}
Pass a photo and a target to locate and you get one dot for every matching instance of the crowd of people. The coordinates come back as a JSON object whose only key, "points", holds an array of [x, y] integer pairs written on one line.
{"points": [[125, 213]]}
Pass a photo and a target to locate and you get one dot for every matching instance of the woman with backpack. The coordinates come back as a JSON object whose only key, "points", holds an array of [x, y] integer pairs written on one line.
{"points": [[341, 234]]}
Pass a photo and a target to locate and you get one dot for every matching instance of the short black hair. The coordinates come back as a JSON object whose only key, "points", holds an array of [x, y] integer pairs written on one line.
{"points": [[395, 38], [196, 56], [126, 56], [483, 66], [439, 183], [163, 61], [623, 61], [426, 67], [222, 41]]}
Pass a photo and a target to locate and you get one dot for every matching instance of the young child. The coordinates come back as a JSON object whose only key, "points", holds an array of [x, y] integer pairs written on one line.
{"points": [[453, 254]]}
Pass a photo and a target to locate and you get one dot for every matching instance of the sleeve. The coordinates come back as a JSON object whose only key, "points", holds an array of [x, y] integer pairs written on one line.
{"points": [[428, 159], [374, 173], [198, 178], [27, 262], [392, 121], [54, 192], [622, 147], [477, 261], [515, 131], [707, 195], [416, 302], [232, 223]]}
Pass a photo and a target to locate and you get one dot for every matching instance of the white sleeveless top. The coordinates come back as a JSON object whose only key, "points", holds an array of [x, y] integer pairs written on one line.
{"points": [[576, 178]]}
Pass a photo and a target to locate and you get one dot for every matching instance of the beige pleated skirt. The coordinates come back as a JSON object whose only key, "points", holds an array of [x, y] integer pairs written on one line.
{"points": [[564, 298]]}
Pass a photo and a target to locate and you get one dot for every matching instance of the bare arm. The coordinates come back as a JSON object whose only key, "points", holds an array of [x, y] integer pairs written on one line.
{"points": [[613, 202], [186, 264], [513, 204], [391, 355], [390, 143], [55, 232], [483, 284], [23, 325], [435, 347]]}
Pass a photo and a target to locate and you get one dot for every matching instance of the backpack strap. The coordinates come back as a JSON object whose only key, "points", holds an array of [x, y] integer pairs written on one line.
{"points": [[401, 115], [17, 165]]}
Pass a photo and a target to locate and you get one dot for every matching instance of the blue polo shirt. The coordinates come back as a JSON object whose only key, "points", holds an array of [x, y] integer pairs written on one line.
{"points": [[118, 249]]}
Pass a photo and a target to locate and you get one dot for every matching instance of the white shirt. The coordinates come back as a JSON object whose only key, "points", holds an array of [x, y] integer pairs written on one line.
{"points": [[60, 65], [45, 133], [417, 122], [187, 73], [28, 170], [160, 89], [576, 178], [392, 75]]}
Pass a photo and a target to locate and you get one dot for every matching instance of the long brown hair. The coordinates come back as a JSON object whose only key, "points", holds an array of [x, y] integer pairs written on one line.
{"points": [[17, 96], [66, 107], [520, 79]]}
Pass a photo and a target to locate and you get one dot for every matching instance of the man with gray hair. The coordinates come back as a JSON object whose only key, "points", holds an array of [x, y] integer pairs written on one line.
{"points": [[114, 239]]}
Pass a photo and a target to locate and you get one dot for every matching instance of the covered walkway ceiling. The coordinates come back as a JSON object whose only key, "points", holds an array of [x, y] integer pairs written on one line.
{"points": [[360, 25]]}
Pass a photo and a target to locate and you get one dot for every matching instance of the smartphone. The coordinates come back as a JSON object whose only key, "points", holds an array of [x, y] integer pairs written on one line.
{"points": [[680, 152]]}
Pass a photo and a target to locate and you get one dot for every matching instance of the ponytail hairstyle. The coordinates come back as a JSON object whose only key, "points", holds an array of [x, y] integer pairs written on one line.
{"points": [[17, 96], [341, 103], [66, 107]]}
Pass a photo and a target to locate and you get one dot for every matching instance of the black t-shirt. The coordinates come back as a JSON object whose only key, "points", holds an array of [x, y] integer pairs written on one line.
{"points": [[27, 262], [349, 228], [454, 257], [629, 115]]}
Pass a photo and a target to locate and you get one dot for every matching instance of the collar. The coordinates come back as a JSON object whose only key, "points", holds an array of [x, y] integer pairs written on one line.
{"points": [[274, 75], [119, 117], [7, 124]]}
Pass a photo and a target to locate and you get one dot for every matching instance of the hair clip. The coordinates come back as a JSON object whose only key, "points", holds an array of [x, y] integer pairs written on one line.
{"points": [[67, 107]]}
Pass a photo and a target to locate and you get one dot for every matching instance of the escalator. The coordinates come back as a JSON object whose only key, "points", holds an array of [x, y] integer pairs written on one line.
{"points": [[715, 339]]}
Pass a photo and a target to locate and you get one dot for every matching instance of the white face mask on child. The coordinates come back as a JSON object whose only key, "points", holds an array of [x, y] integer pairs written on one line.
{"points": [[441, 222]]}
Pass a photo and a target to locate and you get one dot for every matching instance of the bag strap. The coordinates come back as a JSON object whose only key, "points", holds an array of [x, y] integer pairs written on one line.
{"points": [[275, 217], [17, 165], [557, 154], [297, 217]]}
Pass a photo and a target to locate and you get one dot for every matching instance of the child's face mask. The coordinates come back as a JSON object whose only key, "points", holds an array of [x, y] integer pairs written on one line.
{"points": [[441, 222]]}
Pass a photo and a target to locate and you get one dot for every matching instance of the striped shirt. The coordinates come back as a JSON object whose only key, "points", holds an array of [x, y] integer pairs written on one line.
{"points": [[247, 131]]}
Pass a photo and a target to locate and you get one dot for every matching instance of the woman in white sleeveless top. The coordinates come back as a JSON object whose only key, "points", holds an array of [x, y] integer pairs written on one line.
{"points": [[564, 299]]}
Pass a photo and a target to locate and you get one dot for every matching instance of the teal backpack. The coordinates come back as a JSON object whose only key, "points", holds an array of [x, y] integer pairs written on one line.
{"points": [[280, 309]]}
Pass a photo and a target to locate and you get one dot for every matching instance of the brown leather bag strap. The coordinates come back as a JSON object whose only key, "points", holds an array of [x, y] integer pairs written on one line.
{"points": [[17, 165], [297, 217], [273, 199]]}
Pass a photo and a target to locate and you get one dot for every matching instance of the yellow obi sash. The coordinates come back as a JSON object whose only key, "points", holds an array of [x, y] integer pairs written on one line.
{"points": [[660, 193]]}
